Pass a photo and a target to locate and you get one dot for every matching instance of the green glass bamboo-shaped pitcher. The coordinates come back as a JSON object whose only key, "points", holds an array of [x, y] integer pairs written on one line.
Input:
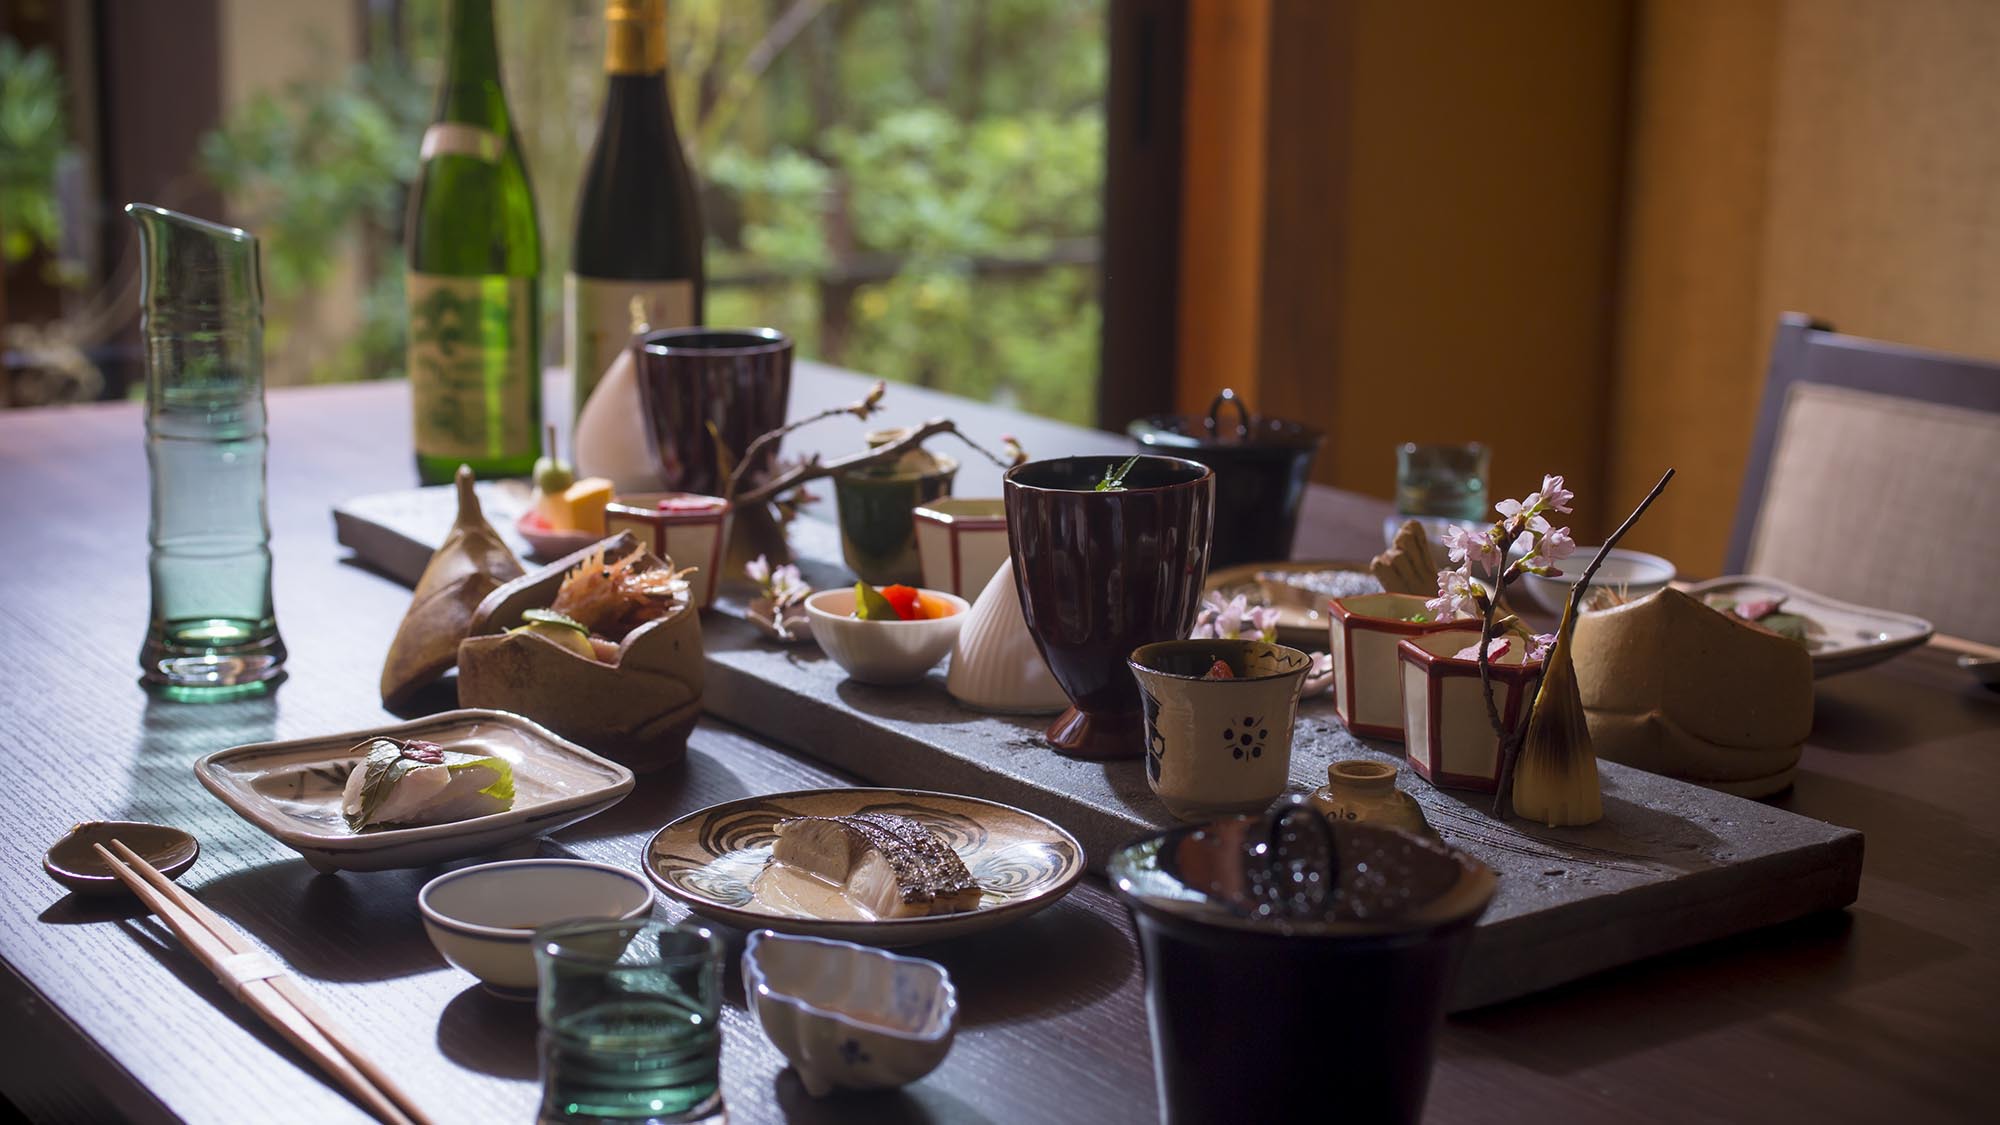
{"points": [[213, 633]]}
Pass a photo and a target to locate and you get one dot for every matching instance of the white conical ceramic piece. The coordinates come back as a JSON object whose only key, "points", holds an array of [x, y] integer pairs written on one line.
{"points": [[610, 439], [995, 665]]}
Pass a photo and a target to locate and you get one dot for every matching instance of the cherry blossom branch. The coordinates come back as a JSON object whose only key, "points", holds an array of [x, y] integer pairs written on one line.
{"points": [[862, 409], [812, 468]]}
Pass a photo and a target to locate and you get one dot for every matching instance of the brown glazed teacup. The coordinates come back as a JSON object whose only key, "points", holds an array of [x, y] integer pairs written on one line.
{"points": [[1101, 573], [739, 379], [1293, 961]]}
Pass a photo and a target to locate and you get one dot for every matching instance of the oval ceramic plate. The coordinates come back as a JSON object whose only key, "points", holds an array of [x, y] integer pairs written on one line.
{"points": [[1846, 637], [717, 860], [548, 542], [1299, 590]]}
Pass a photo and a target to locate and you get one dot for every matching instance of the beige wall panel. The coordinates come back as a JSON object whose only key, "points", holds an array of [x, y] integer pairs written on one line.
{"points": [[1885, 181], [1693, 333]]}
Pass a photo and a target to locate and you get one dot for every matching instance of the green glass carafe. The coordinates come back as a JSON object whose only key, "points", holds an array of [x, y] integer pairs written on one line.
{"points": [[213, 634]]}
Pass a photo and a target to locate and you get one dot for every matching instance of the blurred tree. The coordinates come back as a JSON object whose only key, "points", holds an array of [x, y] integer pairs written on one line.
{"points": [[910, 187]]}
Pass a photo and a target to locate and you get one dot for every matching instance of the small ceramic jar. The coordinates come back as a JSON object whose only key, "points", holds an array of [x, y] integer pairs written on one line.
{"points": [[961, 542], [1366, 790], [1362, 635], [1218, 746], [1451, 740], [690, 529]]}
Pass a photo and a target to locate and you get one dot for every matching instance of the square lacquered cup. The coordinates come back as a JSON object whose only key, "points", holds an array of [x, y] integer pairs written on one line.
{"points": [[1362, 634], [1450, 739], [690, 529], [1218, 746], [961, 541]]}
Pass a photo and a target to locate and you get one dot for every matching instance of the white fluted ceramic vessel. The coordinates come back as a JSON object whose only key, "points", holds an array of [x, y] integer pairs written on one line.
{"points": [[995, 665]]}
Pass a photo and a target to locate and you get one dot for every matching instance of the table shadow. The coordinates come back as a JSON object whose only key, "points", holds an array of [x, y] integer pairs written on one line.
{"points": [[83, 910], [1905, 835], [1075, 958], [347, 926], [703, 779], [1801, 967], [482, 1032], [172, 737], [906, 1106]]}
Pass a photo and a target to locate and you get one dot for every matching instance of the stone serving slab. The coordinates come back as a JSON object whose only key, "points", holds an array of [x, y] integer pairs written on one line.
{"points": [[1671, 864]]}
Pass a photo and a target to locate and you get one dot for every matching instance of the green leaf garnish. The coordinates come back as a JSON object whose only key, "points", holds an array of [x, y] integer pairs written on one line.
{"points": [[870, 605], [540, 616], [390, 760], [1114, 478]]}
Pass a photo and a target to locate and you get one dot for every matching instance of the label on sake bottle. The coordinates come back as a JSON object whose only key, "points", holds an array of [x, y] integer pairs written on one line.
{"points": [[472, 365], [597, 319]]}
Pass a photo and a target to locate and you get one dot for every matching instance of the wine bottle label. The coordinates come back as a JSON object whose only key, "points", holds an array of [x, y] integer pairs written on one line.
{"points": [[597, 319], [456, 138], [472, 364]]}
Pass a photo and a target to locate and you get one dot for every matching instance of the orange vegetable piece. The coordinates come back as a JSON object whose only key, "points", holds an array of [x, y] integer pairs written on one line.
{"points": [[906, 601]]}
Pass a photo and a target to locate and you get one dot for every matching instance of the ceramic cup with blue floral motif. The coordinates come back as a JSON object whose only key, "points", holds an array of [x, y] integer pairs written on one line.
{"points": [[1218, 744]]}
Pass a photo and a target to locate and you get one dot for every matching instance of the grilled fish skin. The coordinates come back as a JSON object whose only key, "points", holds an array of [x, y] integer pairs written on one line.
{"points": [[888, 864]]}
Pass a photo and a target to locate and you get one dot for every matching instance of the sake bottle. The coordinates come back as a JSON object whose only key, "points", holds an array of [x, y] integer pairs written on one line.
{"points": [[638, 221], [474, 256]]}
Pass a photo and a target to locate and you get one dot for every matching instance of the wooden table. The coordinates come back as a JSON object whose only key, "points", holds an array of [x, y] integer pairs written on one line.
{"points": [[1891, 1009]]}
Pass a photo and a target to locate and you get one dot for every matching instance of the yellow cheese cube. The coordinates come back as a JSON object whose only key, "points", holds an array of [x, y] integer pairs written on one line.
{"points": [[580, 507]]}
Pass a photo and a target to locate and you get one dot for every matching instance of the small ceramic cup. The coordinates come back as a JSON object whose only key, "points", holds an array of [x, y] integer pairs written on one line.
{"points": [[1218, 746], [1451, 739], [483, 918], [878, 525], [961, 542], [848, 1016], [1362, 633], [691, 530]]}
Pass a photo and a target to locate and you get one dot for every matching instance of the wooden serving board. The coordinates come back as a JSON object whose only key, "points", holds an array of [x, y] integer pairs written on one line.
{"points": [[1671, 864]]}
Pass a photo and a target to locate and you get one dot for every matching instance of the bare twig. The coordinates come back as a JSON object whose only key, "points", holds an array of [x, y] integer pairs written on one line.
{"points": [[861, 409], [812, 468]]}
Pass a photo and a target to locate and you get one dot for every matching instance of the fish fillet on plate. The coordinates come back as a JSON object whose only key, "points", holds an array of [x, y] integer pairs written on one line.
{"points": [[889, 865]]}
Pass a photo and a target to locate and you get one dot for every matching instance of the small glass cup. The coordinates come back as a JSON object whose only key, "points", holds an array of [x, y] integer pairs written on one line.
{"points": [[1447, 480], [630, 1017]]}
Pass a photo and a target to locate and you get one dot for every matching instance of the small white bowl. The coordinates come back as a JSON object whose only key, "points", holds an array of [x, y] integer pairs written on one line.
{"points": [[848, 1016], [483, 919], [882, 652], [1636, 572]]}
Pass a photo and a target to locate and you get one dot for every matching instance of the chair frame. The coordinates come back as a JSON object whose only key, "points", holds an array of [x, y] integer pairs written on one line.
{"points": [[1810, 351]]}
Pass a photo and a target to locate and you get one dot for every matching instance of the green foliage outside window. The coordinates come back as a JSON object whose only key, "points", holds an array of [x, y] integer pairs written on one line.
{"points": [[910, 187]]}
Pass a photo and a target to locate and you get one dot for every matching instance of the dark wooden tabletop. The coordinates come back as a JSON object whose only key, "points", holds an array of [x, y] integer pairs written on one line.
{"points": [[1888, 1010]]}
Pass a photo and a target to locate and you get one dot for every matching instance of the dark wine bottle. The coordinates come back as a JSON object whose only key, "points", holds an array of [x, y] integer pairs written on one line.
{"points": [[638, 221], [475, 261]]}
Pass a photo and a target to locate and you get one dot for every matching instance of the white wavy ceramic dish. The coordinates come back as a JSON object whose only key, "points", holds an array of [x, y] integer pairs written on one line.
{"points": [[292, 791], [483, 919], [1852, 636], [882, 652], [995, 665], [846, 1016]]}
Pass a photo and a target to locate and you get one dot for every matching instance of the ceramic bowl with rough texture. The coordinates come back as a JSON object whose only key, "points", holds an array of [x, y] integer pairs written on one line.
{"points": [[847, 1016], [882, 652], [483, 919]]}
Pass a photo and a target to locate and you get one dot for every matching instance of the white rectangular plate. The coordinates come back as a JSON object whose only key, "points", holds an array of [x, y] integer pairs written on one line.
{"points": [[292, 790]]}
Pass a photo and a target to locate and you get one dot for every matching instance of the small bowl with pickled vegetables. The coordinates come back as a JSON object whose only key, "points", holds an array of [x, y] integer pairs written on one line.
{"points": [[890, 636]]}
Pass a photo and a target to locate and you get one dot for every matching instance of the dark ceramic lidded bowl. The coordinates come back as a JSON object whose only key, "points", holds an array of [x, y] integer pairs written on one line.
{"points": [[1101, 573], [1261, 468], [1294, 961], [738, 378]]}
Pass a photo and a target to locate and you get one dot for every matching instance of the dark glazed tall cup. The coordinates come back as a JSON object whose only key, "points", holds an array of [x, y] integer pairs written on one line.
{"points": [[739, 379], [1259, 1004], [1101, 573]]}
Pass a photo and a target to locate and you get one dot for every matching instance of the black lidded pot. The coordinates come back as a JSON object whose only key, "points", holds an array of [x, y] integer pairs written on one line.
{"points": [[1295, 966], [1261, 469]]}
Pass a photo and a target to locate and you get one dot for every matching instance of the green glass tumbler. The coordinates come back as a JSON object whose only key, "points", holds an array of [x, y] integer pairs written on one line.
{"points": [[213, 633], [630, 1017]]}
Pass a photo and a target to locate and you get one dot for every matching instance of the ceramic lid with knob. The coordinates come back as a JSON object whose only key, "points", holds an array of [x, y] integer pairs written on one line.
{"points": [[1230, 425], [1293, 873]]}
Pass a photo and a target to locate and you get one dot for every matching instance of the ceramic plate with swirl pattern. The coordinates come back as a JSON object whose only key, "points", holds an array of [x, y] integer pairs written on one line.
{"points": [[718, 861]]}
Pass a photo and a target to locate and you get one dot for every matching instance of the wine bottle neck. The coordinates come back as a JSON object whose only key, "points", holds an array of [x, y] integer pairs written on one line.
{"points": [[472, 91], [635, 40]]}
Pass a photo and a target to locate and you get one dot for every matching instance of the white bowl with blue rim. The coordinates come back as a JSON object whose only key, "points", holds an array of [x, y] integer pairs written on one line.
{"points": [[483, 919], [849, 1016]]}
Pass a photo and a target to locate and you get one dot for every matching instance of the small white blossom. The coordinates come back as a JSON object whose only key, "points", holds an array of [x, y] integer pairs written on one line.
{"points": [[758, 570], [1495, 649], [1555, 495], [1457, 597], [1542, 642]]}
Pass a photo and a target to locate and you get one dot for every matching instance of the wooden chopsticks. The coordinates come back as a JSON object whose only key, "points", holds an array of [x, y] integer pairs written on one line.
{"points": [[259, 981]]}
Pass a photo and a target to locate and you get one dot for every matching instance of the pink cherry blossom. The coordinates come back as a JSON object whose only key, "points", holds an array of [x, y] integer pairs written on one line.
{"points": [[1539, 650], [1456, 596], [1476, 546], [1264, 619], [1555, 495], [1495, 649], [758, 570]]}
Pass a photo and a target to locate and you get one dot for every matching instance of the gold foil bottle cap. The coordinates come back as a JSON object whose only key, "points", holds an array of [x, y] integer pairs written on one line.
{"points": [[635, 37]]}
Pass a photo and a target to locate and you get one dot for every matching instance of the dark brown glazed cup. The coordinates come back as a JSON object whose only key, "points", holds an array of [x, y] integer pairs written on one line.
{"points": [[738, 378], [1101, 573]]}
